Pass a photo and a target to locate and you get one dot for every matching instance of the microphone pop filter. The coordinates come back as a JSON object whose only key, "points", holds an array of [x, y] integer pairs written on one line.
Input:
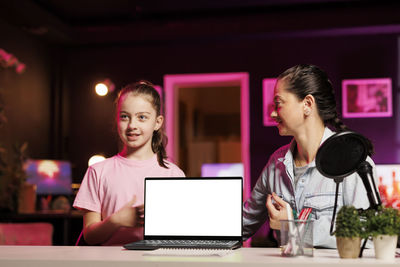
{"points": [[341, 155]]}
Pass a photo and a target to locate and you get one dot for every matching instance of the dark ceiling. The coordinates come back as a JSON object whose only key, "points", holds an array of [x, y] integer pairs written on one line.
{"points": [[102, 22]]}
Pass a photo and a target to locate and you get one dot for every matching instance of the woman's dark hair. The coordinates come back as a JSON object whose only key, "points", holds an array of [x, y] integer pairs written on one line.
{"points": [[159, 139], [303, 80]]}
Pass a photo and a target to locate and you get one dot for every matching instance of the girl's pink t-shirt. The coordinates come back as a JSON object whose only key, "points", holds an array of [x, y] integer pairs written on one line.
{"points": [[110, 184]]}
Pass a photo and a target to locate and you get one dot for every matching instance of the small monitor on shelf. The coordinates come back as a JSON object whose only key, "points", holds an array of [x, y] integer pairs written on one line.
{"points": [[222, 170], [52, 177]]}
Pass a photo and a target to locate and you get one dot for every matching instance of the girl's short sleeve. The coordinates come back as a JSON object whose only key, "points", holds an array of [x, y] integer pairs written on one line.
{"points": [[88, 196]]}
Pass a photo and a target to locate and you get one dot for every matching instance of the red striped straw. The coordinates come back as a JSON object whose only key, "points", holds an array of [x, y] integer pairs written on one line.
{"points": [[305, 213]]}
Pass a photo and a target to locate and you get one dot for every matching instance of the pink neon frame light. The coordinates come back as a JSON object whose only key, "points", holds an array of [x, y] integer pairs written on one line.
{"points": [[360, 98], [172, 82]]}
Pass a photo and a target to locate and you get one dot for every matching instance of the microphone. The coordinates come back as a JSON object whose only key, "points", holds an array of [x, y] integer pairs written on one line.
{"points": [[341, 155], [365, 172]]}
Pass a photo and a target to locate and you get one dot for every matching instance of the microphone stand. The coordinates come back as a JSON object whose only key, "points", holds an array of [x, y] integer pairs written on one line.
{"points": [[337, 181], [365, 172]]}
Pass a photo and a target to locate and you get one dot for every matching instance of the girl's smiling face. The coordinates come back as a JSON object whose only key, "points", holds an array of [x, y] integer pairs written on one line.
{"points": [[137, 120], [288, 110]]}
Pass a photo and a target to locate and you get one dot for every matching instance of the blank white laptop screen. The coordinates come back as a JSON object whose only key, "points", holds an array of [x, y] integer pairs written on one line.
{"points": [[193, 207]]}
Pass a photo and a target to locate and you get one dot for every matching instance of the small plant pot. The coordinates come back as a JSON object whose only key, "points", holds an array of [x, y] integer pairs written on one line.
{"points": [[385, 246], [348, 247], [27, 198]]}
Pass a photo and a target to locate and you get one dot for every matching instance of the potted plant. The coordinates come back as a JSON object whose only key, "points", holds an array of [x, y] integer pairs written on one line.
{"points": [[12, 178], [349, 232], [383, 225], [12, 173]]}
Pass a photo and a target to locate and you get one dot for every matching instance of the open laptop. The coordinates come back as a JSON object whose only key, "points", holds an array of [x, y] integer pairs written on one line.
{"points": [[192, 213]]}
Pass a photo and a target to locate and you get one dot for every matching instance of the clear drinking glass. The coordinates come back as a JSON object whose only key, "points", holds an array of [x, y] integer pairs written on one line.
{"points": [[297, 238]]}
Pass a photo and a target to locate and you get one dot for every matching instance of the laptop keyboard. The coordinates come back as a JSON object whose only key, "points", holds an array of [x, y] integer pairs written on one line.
{"points": [[209, 244]]}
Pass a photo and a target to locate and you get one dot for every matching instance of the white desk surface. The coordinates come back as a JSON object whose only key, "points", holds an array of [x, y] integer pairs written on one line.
{"points": [[63, 256]]}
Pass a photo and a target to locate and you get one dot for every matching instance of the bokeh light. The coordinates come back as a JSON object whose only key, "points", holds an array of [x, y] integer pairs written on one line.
{"points": [[96, 158], [48, 168], [101, 89]]}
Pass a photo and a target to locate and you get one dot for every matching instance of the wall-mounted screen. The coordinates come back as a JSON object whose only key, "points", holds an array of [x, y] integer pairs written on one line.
{"points": [[367, 98], [268, 101]]}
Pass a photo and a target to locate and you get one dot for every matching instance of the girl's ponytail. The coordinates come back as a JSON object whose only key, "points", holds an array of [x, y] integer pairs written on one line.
{"points": [[158, 143]]}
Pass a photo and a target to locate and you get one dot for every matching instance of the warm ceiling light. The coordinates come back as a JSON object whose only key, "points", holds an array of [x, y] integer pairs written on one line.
{"points": [[96, 158], [104, 87], [101, 89]]}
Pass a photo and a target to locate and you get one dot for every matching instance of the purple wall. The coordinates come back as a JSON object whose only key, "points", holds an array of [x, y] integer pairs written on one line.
{"points": [[343, 57], [27, 97], [53, 107]]}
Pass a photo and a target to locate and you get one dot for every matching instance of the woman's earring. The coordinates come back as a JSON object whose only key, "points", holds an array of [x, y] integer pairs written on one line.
{"points": [[307, 112]]}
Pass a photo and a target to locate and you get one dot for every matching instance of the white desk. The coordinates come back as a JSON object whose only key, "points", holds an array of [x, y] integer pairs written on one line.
{"points": [[70, 256]]}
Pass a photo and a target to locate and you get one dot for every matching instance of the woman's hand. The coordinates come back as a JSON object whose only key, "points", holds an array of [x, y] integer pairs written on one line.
{"points": [[277, 211]]}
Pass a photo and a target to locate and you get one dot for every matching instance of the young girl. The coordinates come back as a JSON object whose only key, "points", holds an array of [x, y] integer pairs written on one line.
{"points": [[111, 193], [304, 106]]}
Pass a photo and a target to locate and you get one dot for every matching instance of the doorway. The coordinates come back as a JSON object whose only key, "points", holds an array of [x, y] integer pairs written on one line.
{"points": [[207, 121]]}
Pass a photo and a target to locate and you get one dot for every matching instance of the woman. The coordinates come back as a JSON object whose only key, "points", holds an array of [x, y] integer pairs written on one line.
{"points": [[304, 108]]}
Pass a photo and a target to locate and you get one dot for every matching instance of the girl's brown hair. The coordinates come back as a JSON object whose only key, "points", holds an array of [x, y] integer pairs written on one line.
{"points": [[159, 139]]}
